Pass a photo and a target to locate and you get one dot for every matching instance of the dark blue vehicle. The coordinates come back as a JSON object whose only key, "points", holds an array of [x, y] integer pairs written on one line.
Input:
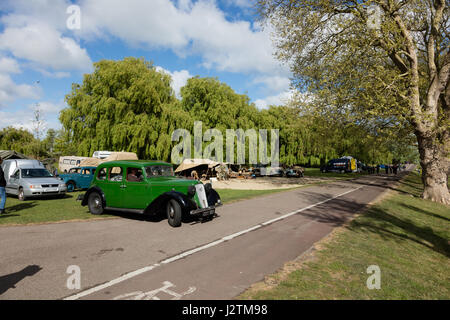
{"points": [[78, 178]]}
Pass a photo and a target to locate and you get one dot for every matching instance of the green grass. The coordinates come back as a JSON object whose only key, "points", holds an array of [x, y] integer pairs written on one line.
{"points": [[53, 210], [407, 237], [45, 210], [315, 172]]}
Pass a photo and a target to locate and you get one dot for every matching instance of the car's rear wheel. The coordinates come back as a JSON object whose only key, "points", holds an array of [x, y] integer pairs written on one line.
{"points": [[174, 213], [70, 186], [95, 203], [21, 195]]}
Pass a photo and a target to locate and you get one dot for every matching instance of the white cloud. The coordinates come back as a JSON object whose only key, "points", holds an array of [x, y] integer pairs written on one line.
{"points": [[8, 65], [44, 45], [10, 91], [276, 100], [191, 28], [16, 120], [274, 83], [179, 79], [24, 118]]}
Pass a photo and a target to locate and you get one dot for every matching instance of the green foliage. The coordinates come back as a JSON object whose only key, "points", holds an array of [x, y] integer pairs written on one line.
{"points": [[22, 141]]}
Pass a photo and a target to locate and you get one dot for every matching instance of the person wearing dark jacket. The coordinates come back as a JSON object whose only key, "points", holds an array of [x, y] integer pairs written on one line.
{"points": [[2, 188]]}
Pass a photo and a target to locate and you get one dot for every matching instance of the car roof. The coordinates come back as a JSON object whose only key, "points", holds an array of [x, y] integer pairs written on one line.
{"points": [[134, 162]]}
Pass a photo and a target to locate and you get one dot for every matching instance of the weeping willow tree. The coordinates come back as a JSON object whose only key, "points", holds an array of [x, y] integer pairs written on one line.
{"points": [[123, 105]]}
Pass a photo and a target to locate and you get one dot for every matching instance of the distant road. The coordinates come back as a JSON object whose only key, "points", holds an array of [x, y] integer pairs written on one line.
{"points": [[145, 259]]}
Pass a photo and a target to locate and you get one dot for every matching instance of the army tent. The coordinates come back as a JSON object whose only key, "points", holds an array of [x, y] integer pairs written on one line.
{"points": [[189, 164]]}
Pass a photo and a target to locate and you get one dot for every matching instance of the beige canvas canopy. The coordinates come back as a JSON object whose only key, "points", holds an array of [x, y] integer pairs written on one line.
{"points": [[193, 163], [114, 156]]}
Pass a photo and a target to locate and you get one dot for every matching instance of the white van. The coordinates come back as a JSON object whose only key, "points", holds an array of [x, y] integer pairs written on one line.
{"points": [[69, 162]]}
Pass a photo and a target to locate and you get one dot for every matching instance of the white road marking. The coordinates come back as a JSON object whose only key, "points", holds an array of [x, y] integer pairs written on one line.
{"points": [[152, 295], [206, 246]]}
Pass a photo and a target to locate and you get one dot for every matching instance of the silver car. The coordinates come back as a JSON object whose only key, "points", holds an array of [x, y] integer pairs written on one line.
{"points": [[34, 182]]}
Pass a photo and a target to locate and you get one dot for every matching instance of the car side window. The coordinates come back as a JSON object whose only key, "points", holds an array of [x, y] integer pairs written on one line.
{"points": [[135, 175], [116, 174], [102, 174], [16, 174], [92, 171]]}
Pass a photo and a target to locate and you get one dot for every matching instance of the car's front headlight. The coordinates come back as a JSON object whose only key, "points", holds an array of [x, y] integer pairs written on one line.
{"points": [[191, 191]]}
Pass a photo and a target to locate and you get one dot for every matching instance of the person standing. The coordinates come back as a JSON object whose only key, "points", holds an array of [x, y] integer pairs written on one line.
{"points": [[2, 189]]}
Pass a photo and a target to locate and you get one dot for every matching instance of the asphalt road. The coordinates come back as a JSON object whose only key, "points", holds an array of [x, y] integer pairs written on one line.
{"points": [[135, 258]]}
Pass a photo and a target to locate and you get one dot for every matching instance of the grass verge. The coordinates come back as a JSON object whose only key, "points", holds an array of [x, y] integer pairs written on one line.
{"points": [[407, 237], [67, 209]]}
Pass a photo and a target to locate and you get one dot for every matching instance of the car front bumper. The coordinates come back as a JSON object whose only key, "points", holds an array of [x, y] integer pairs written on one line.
{"points": [[39, 192], [205, 212]]}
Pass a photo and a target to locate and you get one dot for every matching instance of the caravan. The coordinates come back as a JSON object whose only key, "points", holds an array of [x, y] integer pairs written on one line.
{"points": [[69, 162]]}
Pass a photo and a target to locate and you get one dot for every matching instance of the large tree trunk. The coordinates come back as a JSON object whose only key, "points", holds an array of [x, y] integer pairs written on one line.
{"points": [[435, 167]]}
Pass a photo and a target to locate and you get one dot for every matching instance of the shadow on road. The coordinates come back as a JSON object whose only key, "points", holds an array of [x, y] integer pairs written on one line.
{"points": [[9, 281]]}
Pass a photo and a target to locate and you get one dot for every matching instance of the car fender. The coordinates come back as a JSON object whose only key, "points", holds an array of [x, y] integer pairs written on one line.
{"points": [[213, 197], [89, 191], [185, 202]]}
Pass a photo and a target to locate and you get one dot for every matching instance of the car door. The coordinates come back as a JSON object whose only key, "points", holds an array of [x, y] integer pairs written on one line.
{"points": [[136, 194], [113, 187], [85, 178], [12, 187]]}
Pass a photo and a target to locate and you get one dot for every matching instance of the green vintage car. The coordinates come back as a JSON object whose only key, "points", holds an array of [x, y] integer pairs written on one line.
{"points": [[149, 187]]}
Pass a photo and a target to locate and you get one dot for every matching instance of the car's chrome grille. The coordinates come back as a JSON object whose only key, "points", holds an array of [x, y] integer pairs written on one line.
{"points": [[200, 189], [49, 185]]}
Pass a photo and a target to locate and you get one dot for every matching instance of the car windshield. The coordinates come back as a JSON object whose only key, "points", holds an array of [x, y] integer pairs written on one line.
{"points": [[36, 173], [159, 171]]}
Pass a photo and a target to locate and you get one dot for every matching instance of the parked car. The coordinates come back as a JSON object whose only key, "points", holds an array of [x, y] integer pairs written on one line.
{"points": [[78, 178], [295, 172], [149, 187], [30, 178]]}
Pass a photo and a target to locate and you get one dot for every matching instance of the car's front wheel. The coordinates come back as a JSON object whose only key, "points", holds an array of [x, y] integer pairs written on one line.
{"points": [[174, 213], [21, 195], [70, 186], [95, 203]]}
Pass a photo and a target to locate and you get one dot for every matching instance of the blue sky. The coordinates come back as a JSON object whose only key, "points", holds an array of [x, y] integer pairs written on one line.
{"points": [[40, 57]]}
